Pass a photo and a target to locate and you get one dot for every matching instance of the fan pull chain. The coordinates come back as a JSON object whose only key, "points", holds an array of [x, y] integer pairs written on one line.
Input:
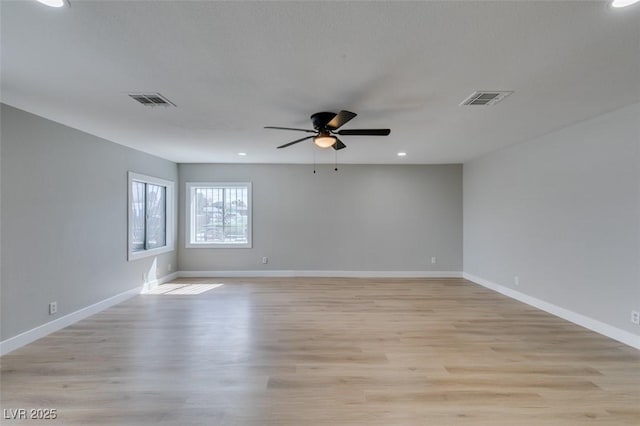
{"points": [[336, 169], [314, 159]]}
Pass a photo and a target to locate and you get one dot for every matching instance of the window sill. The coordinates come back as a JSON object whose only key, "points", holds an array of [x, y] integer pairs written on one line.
{"points": [[218, 245], [148, 253]]}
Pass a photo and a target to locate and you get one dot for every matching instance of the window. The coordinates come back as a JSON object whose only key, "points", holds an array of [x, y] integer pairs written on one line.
{"points": [[219, 215], [150, 216]]}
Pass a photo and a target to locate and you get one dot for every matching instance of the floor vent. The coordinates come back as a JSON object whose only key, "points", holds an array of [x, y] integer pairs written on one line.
{"points": [[151, 99], [485, 98]]}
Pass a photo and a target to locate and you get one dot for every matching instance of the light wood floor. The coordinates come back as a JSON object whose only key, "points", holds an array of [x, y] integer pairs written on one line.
{"points": [[326, 352]]}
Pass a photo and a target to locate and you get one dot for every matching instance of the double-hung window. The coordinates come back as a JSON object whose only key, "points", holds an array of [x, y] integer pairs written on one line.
{"points": [[151, 209], [218, 215]]}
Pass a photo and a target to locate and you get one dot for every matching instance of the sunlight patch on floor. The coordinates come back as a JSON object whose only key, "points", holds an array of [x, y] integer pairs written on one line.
{"points": [[182, 289]]}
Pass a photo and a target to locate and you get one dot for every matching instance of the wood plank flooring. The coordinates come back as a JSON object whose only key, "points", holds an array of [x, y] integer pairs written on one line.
{"points": [[318, 351]]}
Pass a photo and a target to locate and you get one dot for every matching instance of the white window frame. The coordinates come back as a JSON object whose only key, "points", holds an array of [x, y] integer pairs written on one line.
{"points": [[170, 215], [190, 212]]}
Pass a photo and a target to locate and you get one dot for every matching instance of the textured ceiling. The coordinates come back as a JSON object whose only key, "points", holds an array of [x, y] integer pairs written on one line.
{"points": [[233, 67]]}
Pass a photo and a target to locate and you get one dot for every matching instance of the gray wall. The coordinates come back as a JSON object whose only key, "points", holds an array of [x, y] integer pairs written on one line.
{"points": [[361, 218], [562, 212], [64, 219]]}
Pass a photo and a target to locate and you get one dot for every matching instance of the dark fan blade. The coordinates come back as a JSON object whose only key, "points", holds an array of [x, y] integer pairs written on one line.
{"points": [[290, 128], [338, 145], [296, 141], [364, 132], [340, 119]]}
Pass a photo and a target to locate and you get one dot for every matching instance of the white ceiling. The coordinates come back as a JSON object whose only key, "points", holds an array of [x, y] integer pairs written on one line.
{"points": [[233, 67]]}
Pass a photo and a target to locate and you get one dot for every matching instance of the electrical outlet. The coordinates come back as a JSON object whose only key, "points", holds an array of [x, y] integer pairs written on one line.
{"points": [[53, 308], [635, 317], [516, 280], [434, 259], [169, 268], [144, 277], [265, 260]]}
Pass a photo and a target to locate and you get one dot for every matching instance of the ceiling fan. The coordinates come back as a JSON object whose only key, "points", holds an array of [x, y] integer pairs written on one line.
{"points": [[326, 125]]}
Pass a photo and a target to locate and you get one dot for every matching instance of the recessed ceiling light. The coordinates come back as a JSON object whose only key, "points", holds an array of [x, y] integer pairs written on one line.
{"points": [[623, 3], [242, 154], [55, 3], [402, 154]]}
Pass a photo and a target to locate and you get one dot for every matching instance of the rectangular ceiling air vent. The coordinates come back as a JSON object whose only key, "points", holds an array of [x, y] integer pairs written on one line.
{"points": [[151, 99], [485, 98]]}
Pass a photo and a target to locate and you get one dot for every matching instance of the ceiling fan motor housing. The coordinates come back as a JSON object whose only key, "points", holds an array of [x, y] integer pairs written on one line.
{"points": [[321, 119]]}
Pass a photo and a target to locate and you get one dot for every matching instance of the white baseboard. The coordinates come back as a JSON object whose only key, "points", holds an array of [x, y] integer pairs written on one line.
{"points": [[328, 274], [579, 319], [29, 336]]}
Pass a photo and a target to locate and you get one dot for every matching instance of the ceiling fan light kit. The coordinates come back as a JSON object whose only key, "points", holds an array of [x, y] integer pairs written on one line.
{"points": [[324, 140], [326, 125]]}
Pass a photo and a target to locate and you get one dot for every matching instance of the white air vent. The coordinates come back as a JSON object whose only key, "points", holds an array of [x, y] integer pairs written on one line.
{"points": [[485, 98], [151, 99]]}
